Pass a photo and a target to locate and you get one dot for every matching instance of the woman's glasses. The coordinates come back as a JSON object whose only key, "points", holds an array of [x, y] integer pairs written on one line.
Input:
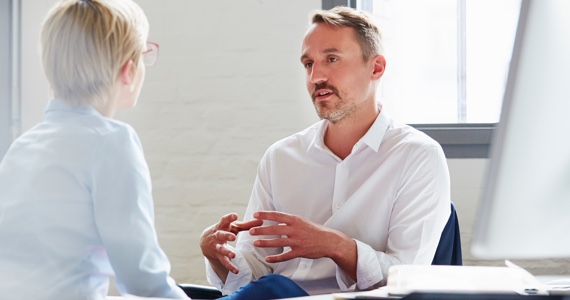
{"points": [[151, 54]]}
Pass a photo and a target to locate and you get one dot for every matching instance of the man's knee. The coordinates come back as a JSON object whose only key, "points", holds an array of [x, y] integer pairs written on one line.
{"points": [[275, 278], [270, 286]]}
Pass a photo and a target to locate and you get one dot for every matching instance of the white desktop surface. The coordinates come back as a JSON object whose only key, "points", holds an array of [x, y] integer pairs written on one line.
{"points": [[317, 297], [541, 278]]}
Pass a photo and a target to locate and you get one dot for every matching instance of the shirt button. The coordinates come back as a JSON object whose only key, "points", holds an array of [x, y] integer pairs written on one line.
{"points": [[337, 206], [303, 266]]}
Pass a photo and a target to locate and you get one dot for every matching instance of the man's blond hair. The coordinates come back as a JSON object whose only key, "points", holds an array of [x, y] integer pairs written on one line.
{"points": [[367, 33], [85, 43]]}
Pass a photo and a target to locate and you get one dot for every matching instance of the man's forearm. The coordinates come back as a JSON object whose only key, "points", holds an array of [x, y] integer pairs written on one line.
{"points": [[345, 255], [220, 270]]}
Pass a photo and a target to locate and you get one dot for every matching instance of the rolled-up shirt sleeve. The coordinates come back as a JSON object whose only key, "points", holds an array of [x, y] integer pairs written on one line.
{"points": [[417, 220], [233, 281]]}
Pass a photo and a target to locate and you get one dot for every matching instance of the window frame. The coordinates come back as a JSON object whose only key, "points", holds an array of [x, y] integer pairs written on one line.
{"points": [[328, 4], [458, 140], [5, 74]]}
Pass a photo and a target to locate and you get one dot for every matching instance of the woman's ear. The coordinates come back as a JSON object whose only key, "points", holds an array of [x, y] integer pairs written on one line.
{"points": [[379, 66], [127, 72]]}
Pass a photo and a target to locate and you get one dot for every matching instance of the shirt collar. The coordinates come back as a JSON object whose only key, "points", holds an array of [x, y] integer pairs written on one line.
{"points": [[318, 141], [372, 138], [60, 106]]}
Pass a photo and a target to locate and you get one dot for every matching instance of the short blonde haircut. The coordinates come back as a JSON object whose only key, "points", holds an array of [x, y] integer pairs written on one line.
{"points": [[85, 43], [367, 33]]}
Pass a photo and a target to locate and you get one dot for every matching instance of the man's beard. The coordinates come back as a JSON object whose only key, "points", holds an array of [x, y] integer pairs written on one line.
{"points": [[332, 111]]}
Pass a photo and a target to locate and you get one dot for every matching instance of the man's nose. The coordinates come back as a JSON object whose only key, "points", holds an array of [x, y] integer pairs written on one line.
{"points": [[318, 74]]}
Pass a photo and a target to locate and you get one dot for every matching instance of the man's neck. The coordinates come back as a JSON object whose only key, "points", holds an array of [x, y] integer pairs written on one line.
{"points": [[341, 137]]}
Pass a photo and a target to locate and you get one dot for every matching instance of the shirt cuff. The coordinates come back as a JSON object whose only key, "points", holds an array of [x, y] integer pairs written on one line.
{"points": [[368, 272]]}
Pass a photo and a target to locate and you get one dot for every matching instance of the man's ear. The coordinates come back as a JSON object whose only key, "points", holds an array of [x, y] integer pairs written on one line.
{"points": [[379, 66], [127, 72]]}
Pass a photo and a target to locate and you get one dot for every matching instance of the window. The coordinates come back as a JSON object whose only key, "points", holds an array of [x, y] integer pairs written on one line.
{"points": [[447, 60], [447, 63]]}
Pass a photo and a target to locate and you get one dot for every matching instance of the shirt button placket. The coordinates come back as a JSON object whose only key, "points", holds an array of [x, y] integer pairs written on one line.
{"points": [[341, 178]]}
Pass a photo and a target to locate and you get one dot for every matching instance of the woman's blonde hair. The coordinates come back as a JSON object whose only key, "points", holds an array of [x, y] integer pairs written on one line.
{"points": [[367, 33], [84, 44]]}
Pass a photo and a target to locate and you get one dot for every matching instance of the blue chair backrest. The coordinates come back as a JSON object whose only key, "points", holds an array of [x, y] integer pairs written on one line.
{"points": [[449, 248]]}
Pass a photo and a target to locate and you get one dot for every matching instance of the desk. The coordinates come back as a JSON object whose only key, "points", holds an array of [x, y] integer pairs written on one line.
{"points": [[449, 296], [429, 296], [470, 296], [420, 296]]}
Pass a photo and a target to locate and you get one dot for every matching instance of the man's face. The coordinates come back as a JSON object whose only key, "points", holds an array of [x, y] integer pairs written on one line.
{"points": [[339, 81]]}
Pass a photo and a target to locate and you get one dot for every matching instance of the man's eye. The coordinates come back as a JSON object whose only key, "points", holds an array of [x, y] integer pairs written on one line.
{"points": [[308, 65], [333, 59]]}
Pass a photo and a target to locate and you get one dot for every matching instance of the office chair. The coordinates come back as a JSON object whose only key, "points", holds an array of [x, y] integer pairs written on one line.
{"points": [[196, 291], [448, 253], [449, 248]]}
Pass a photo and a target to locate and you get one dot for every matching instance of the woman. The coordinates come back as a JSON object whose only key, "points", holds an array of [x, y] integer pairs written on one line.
{"points": [[75, 191]]}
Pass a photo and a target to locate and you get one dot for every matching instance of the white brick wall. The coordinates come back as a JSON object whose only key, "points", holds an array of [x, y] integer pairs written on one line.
{"points": [[227, 84]]}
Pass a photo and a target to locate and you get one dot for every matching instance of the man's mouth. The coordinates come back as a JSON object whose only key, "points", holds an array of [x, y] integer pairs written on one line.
{"points": [[322, 94]]}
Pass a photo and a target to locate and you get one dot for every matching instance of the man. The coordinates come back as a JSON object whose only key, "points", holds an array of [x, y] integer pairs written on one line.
{"points": [[348, 197]]}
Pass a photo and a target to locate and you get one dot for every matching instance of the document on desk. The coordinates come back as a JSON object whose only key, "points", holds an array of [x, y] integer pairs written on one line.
{"points": [[405, 279]]}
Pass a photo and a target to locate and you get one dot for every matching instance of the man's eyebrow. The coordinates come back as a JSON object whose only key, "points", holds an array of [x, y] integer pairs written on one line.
{"points": [[326, 51]]}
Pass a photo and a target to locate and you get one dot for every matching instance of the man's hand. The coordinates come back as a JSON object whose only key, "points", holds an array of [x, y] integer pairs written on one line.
{"points": [[306, 239], [214, 239]]}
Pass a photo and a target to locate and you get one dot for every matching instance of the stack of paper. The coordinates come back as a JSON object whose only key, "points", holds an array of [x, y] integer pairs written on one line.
{"points": [[405, 279]]}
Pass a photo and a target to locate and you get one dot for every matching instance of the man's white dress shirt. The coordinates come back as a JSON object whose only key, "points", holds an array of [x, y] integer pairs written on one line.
{"points": [[75, 208], [391, 195]]}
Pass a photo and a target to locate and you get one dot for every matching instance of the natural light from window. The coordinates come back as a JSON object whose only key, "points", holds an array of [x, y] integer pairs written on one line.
{"points": [[447, 60]]}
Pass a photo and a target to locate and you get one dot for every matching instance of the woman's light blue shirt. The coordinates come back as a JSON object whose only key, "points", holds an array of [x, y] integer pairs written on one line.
{"points": [[76, 207]]}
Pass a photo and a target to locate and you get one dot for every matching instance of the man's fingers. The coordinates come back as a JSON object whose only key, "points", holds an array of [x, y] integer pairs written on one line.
{"points": [[223, 255], [279, 229], [213, 243], [236, 227], [274, 243], [226, 262], [281, 257], [226, 221], [276, 216], [224, 236], [225, 251]]}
